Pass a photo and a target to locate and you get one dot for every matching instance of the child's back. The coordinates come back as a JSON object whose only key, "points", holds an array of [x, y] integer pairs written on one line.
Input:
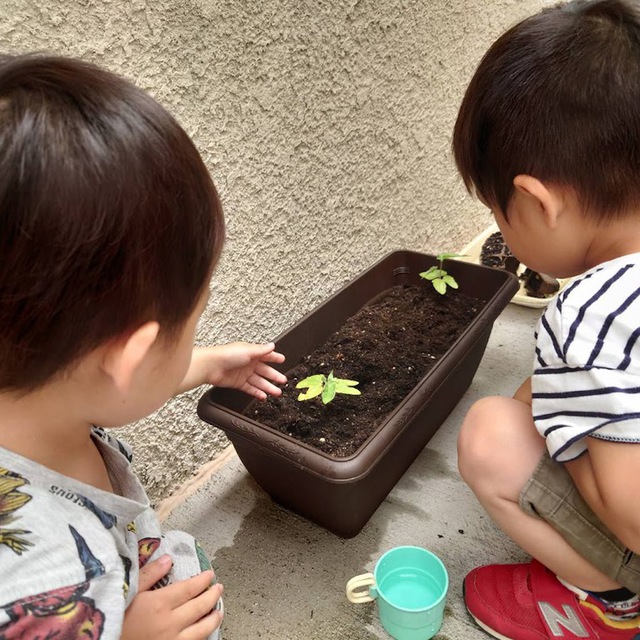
{"points": [[110, 228]]}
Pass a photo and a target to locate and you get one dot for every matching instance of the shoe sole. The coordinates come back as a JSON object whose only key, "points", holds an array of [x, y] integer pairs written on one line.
{"points": [[488, 630], [481, 624]]}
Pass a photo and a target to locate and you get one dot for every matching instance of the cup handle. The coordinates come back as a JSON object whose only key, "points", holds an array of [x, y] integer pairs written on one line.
{"points": [[358, 583]]}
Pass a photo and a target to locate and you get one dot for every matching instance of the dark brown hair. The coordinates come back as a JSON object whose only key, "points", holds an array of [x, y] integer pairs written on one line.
{"points": [[557, 97], [108, 216]]}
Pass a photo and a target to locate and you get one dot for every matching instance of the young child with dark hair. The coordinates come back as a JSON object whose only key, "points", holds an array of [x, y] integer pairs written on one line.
{"points": [[548, 137], [110, 228]]}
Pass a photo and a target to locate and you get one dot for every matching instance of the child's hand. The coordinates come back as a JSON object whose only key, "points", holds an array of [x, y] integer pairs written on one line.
{"points": [[181, 610], [239, 365]]}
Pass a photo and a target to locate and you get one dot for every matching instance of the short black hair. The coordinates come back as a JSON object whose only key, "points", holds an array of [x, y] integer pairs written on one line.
{"points": [[558, 97], [108, 215]]}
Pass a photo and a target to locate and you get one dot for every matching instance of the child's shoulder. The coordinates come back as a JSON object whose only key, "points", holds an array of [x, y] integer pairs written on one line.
{"points": [[604, 287], [50, 518], [52, 560], [43, 500], [601, 304], [38, 506], [61, 541], [46, 540]]}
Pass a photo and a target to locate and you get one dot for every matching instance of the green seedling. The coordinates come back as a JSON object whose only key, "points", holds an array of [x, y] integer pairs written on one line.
{"points": [[328, 386], [438, 277]]}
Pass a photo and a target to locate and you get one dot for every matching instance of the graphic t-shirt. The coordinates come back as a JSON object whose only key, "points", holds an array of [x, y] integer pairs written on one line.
{"points": [[586, 381], [70, 553]]}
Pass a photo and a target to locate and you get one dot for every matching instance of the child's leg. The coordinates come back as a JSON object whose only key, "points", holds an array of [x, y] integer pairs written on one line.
{"points": [[498, 450], [504, 460]]}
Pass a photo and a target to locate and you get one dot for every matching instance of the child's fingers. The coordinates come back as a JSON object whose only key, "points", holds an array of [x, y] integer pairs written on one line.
{"points": [[270, 373], [259, 387], [191, 612], [202, 629], [273, 356], [180, 592], [265, 351], [154, 571], [257, 350]]}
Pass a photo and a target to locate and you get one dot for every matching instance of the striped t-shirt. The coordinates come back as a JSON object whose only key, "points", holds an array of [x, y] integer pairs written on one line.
{"points": [[586, 379]]}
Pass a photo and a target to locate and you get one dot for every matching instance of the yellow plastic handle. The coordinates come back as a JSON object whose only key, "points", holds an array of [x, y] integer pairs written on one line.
{"points": [[354, 586]]}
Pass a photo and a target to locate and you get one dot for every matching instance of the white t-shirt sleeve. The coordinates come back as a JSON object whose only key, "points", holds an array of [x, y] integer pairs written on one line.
{"points": [[586, 381]]}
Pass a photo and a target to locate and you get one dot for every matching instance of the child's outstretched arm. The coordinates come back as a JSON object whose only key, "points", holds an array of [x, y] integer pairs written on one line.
{"points": [[239, 365]]}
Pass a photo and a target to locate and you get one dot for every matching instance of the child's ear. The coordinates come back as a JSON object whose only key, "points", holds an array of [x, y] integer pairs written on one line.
{"points": [[547, 199], [123, 357]]}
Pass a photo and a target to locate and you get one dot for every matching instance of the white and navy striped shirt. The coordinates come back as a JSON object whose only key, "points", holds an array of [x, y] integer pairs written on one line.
{"points": [[586, 379]]}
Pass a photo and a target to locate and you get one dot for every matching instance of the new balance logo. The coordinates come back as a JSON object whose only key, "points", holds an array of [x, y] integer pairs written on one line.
{"points": [[555, 619]]}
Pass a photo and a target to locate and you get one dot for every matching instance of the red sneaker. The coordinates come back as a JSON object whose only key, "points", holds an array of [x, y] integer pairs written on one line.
{"points": [[527, 602]]}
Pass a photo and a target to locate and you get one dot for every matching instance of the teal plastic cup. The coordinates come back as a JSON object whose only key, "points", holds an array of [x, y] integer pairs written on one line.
{"points": [[410, 585]]}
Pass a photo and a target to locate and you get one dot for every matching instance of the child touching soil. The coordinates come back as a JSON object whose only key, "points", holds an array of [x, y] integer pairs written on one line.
{"points": [[110, 228], [548, 136]]}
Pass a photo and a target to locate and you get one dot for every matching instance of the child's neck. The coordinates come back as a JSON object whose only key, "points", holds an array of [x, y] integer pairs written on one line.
{"points": [[615, 239], [47, 427]]}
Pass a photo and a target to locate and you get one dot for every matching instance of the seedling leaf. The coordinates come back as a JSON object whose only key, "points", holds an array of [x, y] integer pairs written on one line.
{"points": [[432, 273], [329, 391], [440, 286], [438, 276], [450, 281], [446, 256], [311, 381], [328, 386], [311, 392], [347, 387], [346, 383], [349, 391]]}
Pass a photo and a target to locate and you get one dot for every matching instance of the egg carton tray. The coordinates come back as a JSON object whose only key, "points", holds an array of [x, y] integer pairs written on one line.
{"points": [[471, 253]]}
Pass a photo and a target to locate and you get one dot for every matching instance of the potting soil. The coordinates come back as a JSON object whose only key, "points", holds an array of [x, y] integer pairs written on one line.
{"points": [[388, 347]]}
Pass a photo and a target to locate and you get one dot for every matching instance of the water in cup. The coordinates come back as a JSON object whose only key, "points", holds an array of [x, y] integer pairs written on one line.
{"points": [[410, 589]]}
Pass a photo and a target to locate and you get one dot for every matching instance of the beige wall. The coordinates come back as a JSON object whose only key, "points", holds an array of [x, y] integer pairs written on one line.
{"points": [[326, 125]]}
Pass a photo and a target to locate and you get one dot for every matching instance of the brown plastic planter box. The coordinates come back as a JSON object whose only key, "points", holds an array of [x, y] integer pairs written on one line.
{"points": [[341, 494]]}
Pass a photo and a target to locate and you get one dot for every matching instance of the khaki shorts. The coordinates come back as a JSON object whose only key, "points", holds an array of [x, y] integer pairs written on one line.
{"points": [[550, 494]]}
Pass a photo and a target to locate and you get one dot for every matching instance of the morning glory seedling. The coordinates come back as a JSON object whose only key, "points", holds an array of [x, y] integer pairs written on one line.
{"points": [[438, 277], [328, 386]]}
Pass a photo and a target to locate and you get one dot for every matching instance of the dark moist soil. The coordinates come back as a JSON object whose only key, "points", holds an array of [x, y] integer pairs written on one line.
{"points": [[388, 346]]}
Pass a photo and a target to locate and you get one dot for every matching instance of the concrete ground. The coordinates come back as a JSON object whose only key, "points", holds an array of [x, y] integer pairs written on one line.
{"points": [[284, 577]]}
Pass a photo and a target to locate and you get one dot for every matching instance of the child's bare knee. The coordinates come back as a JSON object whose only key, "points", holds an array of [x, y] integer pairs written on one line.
{"points": [[476, 441]]}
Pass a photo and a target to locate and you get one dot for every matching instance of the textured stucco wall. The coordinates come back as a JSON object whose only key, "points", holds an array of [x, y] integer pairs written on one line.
{"points": [[326, 125]]}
